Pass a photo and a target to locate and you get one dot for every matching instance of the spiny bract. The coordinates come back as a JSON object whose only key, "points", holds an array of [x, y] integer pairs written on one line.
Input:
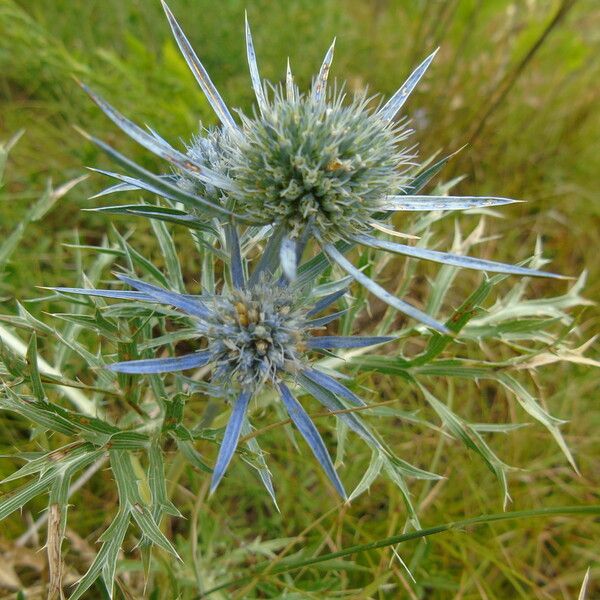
{"points": [[205, 150]]}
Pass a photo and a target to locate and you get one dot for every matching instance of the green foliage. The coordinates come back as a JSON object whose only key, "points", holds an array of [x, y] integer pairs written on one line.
{"points": [[517, 342]]}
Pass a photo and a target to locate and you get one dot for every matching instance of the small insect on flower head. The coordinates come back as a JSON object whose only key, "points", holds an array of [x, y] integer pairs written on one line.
{"points": [[312, 165], [255, 334]]}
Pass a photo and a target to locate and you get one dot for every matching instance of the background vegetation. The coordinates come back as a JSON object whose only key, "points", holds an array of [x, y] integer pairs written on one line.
{"points": [[518, 83]]}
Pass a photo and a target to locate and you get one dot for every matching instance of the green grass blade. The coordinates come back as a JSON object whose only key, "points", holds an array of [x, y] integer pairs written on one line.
{"points": [[593, 509]]}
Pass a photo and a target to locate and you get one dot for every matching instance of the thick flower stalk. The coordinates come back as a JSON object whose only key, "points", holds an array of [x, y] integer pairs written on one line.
{"points": [[254, 335], [312, 165]]}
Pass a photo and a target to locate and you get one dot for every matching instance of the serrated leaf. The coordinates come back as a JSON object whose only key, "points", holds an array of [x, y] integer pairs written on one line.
{"points": [[141, 515], [105, 562], [169, 252], [129, 440], [400, 483], [158, 484], [470, 438], [192, 455], [410, 470], [16, 499], [259, 462], [30, 410], [125, 478], [60, 459], [532, 407], [369, 476]]}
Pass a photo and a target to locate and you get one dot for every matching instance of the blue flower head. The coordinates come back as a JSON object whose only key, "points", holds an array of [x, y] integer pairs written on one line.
{"points": [[255, 335]]}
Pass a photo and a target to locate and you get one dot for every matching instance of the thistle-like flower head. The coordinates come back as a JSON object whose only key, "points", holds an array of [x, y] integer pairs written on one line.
{"points": [[205, 151], [306, 161], [256, 335]]}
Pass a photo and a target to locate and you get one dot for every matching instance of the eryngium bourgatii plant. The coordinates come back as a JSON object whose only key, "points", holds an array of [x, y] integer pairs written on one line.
{"points": [[310, 165]]}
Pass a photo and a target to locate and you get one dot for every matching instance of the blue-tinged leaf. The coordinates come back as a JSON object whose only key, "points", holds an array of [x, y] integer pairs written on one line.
{"points": [[311, 435], [320, 84], [395, 103], [333, 385], [159, 213], [380, 292], [456, 260], [116, 294], [326, 319], [230, 439], [159, 146], [322, 304], [157, 182], [287, 258], [422, 203], [208, 87], [162, 365], [191, 306], [259, 92], [235, 266], [345, 341]]}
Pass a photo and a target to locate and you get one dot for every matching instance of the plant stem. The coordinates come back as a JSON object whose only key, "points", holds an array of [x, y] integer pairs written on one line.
{"points": [[510, 79], [397, 539]]}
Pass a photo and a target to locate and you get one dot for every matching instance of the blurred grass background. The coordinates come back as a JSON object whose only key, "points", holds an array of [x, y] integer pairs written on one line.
{"points": [[518, 83]]}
